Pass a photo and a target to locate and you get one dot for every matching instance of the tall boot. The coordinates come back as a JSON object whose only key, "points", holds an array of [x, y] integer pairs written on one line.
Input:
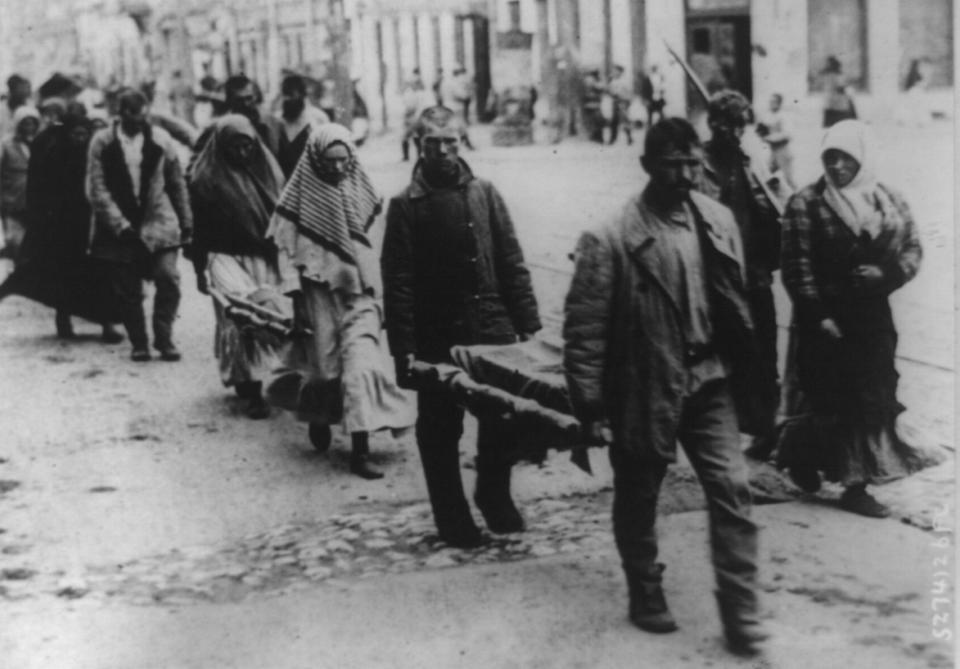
{"points": [[741, 625], [359, 457], [648, 605], [492, 497]]}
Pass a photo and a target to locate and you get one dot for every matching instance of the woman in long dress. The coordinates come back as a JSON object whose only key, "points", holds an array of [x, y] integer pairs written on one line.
{"points": [[54, 267], [329, 265], [234, 186], [849, 241]]}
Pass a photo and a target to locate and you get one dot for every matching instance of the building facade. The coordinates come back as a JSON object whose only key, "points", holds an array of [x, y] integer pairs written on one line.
{"points": [[756, 46]]}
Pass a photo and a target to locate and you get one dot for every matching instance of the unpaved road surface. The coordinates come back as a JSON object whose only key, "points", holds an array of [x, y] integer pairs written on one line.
{"points": [[145, 522]]}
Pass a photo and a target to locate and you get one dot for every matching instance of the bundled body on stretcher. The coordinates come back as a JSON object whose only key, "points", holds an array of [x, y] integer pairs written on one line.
{"points": [[521, 382]]}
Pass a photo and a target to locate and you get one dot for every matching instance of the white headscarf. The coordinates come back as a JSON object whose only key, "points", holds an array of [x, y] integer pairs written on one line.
{"points": [[861, 203]]}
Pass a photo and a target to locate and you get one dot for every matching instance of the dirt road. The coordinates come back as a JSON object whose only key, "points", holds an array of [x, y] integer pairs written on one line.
{"points": [[147, 523]]}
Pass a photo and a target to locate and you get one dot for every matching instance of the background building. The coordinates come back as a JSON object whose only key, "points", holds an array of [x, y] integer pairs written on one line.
{"points": [[759, 46]]}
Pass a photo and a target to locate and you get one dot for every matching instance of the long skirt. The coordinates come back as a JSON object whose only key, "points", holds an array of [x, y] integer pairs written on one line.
{"points": [[245, 354], [345, 374], [840, 407]]}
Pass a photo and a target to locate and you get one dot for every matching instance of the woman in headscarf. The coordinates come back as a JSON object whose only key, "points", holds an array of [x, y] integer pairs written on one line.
{"points": [[234, 186], [54, 267], [849, 241], [330, 266], [14, 159]]}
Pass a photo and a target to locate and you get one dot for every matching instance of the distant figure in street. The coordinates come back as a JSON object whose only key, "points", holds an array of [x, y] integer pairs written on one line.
{"points": [[54, 267], [181, 97], [849, 241], [622, 92], [18, 94], [652, 93], [299, 117], [775, 130], [593, 91], [439, 87], [837, 102], [459, 93], [14, 162], [454, 275], [208, 97], [360, 125], [328, 99], [914, 108], [729, 177], [656, 326], [142, 216], [234, 186], [415, 100], [329, 267]]}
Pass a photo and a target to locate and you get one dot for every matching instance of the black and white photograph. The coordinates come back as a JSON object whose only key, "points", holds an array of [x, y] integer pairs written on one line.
{"points": [[478, 334]]}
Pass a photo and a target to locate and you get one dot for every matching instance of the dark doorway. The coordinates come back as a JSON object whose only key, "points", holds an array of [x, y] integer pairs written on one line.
{"points": [[719, 51]]}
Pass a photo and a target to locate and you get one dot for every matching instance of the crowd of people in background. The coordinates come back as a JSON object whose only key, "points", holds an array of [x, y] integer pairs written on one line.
{"points": [[670, 341]]}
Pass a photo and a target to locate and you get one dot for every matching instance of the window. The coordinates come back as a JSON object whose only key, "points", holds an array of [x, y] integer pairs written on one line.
{"points": [[837, 29], [513, 11], [926, 31]]}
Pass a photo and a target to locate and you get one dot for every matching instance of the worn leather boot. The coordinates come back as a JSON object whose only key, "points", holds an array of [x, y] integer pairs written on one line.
{"points": [[742, 628], [648, 605], [492, 497]]}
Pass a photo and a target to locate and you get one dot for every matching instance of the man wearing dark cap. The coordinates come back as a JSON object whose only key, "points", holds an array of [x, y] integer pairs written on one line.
{"points": [[729, 178], [454, 274]]}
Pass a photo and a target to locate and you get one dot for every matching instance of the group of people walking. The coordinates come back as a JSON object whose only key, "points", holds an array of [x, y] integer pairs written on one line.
{"points": [[609, 105], [670, 330], [670, 335]]}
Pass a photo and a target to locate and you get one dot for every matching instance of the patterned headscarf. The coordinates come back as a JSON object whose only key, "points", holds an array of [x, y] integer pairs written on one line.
{"points": [[332, 216], [861, 203], [248, 194]]}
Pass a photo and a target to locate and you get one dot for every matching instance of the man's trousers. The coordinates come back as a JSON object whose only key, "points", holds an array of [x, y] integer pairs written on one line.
{"points": [[439, 428], [162, 270], [709, 435]]}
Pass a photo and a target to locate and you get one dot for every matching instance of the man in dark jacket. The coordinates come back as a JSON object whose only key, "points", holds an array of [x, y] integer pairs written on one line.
{"points": [[656, 325], [729, 177], [453, 273]]}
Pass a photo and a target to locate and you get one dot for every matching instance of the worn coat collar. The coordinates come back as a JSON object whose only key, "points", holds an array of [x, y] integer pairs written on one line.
{"points": [[638, 234], [640, 240], [420, 188]]}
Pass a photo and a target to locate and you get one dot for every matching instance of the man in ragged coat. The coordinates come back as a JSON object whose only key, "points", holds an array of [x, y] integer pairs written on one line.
{"points": [[453, 273], [656, 323], [754, 196], [142, 216]]}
